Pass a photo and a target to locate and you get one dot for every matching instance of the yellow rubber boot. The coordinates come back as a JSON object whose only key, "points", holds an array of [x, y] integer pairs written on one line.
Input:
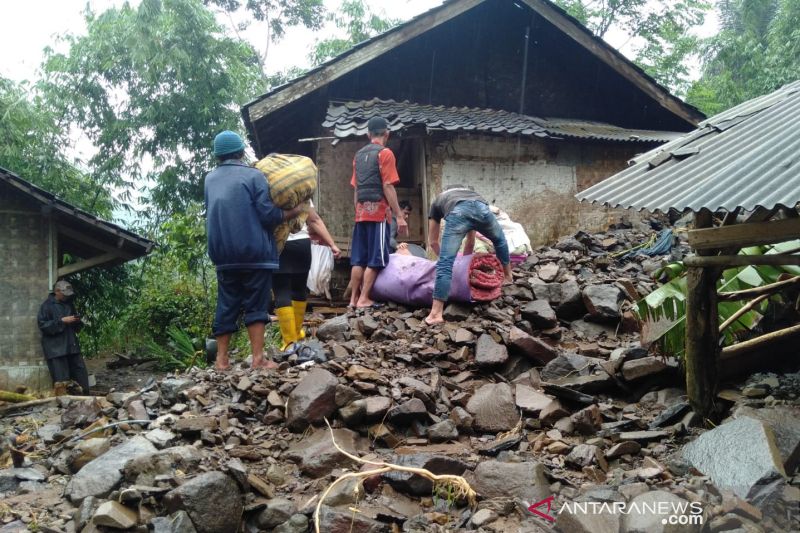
{"points": [[299, 315], [286, 322]]}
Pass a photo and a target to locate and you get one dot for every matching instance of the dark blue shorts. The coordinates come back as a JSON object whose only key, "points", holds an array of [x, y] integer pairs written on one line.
{"points": [[370, 246], [241, 291]]}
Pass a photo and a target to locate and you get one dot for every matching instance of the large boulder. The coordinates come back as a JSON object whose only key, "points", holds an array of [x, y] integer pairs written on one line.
{"points": [[602, 301], [493, 408], [489, 353], [102, 475], [317, 455], [784, 420], [526, 481], [211, 500], [540, 314], [530, 346], [312, 400], [334, 329], [740, 456], [564, 297], [417, 485], [144, 469], [566, 364], [680, 515]]}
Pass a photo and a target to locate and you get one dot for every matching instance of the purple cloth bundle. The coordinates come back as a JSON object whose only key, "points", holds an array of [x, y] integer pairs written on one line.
{"points": [[409, 280]]}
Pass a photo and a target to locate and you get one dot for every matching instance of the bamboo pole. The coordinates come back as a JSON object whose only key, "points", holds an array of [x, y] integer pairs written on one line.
{"points": [[702, 331], [14, 397], [731, 261], [742, 311], [730, 352], [747, 294]]}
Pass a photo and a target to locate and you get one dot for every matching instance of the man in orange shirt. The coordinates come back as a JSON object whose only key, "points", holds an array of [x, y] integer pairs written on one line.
{"points": [[374, 178]]}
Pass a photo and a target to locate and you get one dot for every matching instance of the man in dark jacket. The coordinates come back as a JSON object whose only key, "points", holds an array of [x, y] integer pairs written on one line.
{"points": [[240, 219], [59, 324]]}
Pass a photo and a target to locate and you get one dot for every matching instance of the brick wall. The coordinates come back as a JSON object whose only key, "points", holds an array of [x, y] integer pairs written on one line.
{"points": [[24, 286], [533, 180]]}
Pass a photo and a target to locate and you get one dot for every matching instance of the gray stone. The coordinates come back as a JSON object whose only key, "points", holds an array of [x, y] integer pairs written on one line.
{"points": [[86, 451], [11, 478], [493, 408], [367, 325], [316, 454], [278, 511], [530, 346], [365, 410], [137, 410], [160, 437], [587, 421], [334, 329], [489, 353], [566, 364], [345, 493], [591, 330], [585, 455], [540, 314], [144, 469], [171, 387], [80, 413], [641, 519], [462, 418], [483, 517], [573, 520], [602, 301], [456, 312], [630, 447], [212, 501], [552, 412], [175, 523], [115, 515], [565, 297], [48, 432], [416, 485], [530, 400], [298, 523], [784, 420], [518, 292], [443, 431], [407, 412], [312, 400], [643, 367], [526, 481], [332, 520], [83, 514], [101, 476], [740, 456]]}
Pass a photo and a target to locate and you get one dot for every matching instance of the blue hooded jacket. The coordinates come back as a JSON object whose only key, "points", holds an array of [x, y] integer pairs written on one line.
{"points": [[240, 218]]}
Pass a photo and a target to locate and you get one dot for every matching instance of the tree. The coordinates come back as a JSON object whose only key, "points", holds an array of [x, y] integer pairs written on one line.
{"points": [[756, 51], [278, 14], [33, 141], [151, 86], [358, 22], [660, 31]]}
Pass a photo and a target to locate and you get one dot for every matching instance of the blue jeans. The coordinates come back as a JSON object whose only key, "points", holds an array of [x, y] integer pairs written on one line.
{"points": [[466, 216]]}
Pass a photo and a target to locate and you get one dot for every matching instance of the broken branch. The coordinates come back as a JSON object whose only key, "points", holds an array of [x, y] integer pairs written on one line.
{"points": [[759, 342], [758, 291], [463, 488], [742, 311]]}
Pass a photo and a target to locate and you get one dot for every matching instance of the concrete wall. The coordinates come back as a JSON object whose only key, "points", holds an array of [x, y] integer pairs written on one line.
{"points": [[24, 284], [534, 180]]}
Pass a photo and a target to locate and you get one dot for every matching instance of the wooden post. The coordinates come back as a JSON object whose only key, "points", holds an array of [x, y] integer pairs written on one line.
{"points": [[702, 330]]}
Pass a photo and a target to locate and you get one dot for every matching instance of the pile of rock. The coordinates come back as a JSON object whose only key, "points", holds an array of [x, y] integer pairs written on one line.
{"points": [[543, 393]]}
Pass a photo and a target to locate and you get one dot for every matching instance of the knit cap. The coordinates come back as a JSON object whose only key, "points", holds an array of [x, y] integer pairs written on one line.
{"points": [[227, 142]]}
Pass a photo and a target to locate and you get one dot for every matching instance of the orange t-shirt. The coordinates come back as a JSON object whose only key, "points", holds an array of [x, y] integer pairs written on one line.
{"points": [[378, 211]]}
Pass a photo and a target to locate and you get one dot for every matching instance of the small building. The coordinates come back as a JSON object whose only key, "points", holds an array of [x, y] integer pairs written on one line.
{"points": [[37, 230], [515, 98]]}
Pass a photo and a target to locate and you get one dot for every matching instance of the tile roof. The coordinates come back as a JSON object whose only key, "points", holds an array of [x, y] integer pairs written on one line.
{"points": [[745, 157], [349, 119]]}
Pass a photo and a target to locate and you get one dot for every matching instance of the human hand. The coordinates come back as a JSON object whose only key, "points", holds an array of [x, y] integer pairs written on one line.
{"points": [[402, 246], [289, 214], [336, 251], [402, 227], [70, 319]]}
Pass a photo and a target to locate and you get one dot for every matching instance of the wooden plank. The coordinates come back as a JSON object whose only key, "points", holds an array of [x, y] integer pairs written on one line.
{"points": [[741, 235], [615, 60], [759, 343], [94, 243], [359, 57], [747, 294], [88, 263], [702, 332], [731, 261]]}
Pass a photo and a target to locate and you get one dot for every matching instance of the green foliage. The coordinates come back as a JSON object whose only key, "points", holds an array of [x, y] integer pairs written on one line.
{"points": [[181, 352], [280, 14], [756, 51], [33, 138], [660, 29], [151, 86], [358, 22], [664, 310]]}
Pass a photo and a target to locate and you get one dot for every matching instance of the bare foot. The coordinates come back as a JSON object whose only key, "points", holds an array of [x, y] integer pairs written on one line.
{"points": [[267, 364], [433, 320], [508, 281], [364, 303], [222, 364]]}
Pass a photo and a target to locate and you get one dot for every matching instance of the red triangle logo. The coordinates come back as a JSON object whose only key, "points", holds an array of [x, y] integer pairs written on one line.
{"points": [[537, 512]]}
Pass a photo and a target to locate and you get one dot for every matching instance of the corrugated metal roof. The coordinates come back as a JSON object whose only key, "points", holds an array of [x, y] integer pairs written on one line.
{"points": [[745, 157], [348, 119]]}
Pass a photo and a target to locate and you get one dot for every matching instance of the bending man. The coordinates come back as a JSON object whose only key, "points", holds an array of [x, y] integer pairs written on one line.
{"points": [[464, 212]]}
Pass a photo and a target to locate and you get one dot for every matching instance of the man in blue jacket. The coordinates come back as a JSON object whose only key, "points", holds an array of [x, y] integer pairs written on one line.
{"points": [[240, 219]]}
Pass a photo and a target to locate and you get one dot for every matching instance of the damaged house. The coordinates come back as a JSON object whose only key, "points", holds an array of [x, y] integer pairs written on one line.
{"points": [[38, 232], [515, 98]]}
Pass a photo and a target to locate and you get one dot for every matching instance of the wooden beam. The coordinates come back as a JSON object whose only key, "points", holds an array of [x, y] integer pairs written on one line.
{"points": [[752, 345], [742, 235], [90, 241], [747, 294], [616, 61], [742, 311], [359, 57], [731, 261], [86, 264], [702, 332]]}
